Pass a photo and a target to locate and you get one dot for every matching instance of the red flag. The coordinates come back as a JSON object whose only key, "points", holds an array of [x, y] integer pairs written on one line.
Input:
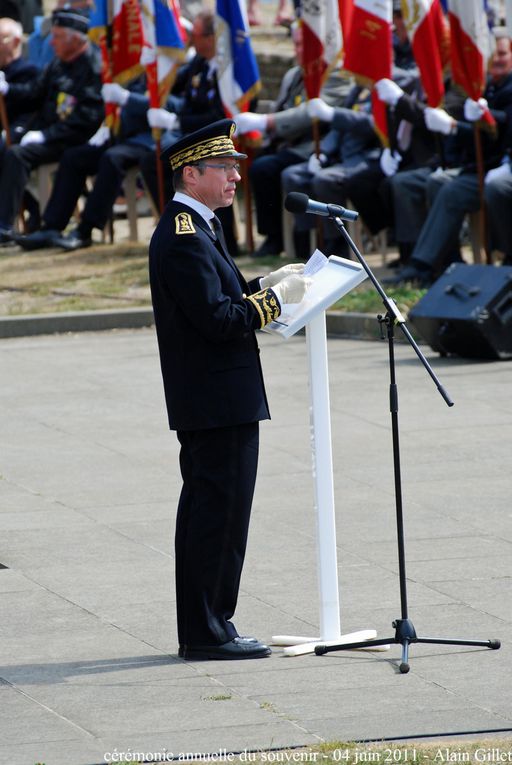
{"points": [[346, 9], [472, 45], [424, 21], [368, 52], [120, 40], [322, 43]]}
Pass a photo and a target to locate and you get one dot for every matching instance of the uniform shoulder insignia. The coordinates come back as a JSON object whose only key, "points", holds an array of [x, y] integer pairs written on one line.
{"points": [[184, 224]]}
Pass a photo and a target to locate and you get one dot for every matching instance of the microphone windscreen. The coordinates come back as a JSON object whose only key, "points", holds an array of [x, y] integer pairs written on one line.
{"points": [[296, 202]]}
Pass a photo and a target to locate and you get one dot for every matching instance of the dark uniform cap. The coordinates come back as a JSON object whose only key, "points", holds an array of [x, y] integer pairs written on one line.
{"points": [[71, 18], [214, 140], [397, 6]]}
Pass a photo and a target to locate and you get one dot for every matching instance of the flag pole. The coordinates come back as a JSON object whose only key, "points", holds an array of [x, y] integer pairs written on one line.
{"points": [[159, 170], [246, 186], [482, 217], [316, 141], [5, 121]]}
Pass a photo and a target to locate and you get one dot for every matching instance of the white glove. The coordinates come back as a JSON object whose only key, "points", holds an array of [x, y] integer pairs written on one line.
{"points": [[274, 277], [148, 56], [316, 163], [101, 136], [292, 288], [388, 91], [389, 162], [318, 109], [112, 93], [33, 136], [161, 118], [439, 121], [4, 85], [497, 173], [475, 110], [248, 121]]}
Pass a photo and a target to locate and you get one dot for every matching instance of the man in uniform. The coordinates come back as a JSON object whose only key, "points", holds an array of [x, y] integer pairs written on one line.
{"points": [[206, 315], [67, 105]]}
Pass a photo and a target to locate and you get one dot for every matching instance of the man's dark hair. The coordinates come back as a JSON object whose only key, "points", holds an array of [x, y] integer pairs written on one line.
{"points": [[208, 21], [177, 176]]}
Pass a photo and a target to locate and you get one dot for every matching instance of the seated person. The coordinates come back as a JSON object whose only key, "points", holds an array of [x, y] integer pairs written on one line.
{"points": [[66, 99], [106, 157]]}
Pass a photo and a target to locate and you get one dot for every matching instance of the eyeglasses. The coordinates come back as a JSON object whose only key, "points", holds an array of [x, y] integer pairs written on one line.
{"points": [[221, 166]]}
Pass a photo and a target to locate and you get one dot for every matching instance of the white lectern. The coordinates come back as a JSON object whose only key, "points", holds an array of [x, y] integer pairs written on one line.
{"points": [[337, 277]]}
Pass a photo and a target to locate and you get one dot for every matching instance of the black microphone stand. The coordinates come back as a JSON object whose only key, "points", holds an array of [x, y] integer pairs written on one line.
{"points": [[405, 634]]}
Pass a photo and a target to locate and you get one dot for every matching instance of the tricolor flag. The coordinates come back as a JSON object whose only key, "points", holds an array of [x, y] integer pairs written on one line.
{"points": [[237, 70], [322, 42], [164, 47], [472, 45], [368, 51], [425, 23]]}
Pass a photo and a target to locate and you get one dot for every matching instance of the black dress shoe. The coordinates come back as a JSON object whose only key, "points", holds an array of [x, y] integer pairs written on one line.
{"points": [[238, 648], [39, 239], [7, 236], [75, 240], [411, 273], [271, 246]]}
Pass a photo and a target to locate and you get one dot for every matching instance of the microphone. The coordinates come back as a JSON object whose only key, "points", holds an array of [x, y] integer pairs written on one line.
{"points": [[296, 202]]}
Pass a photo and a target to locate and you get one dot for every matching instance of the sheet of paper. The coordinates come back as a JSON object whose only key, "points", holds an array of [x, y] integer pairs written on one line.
{"points": [[316, 262], [334, 279]]}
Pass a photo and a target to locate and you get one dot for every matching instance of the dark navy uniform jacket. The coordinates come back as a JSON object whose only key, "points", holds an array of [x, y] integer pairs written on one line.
{"points": [[205, 328]]}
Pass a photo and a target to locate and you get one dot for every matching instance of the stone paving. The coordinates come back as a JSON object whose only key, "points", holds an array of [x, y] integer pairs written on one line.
{"points": [[88, 488]]}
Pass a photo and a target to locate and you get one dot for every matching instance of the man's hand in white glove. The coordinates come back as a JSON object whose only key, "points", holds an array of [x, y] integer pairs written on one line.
{"points": [[502, 172], [101, 136], [388, 91], [439, 121], [389, 162], [292, 288], [161, 118], [249, 121], [33, 136], [4, 85], [274, 277], [475, 110], [319, 110], [316, 163], [112, 93]]}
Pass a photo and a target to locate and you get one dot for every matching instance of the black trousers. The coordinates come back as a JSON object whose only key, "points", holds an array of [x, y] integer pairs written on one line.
{"points": [[218, 467], [265, 176], [16, 163], [109, 164]]}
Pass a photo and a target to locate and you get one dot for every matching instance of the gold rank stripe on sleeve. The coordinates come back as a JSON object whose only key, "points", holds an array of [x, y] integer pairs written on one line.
{"points": [[184, 224], [266, 304]]}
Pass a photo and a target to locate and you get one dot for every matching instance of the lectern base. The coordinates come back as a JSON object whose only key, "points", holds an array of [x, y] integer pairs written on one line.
{"points": [[299, 646]]}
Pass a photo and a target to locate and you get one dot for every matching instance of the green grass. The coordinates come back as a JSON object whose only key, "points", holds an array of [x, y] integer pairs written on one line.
{"points": [[366, 299]]}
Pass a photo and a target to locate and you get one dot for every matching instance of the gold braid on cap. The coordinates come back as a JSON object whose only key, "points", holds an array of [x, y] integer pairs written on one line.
{"points": [[266, 304], [212, 147]]}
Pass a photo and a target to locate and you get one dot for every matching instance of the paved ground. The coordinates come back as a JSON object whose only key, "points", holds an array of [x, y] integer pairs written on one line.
{"points": [[88, 487]]}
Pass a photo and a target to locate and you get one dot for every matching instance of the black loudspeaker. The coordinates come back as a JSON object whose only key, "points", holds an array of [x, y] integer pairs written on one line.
{"points": [[468, 312]]}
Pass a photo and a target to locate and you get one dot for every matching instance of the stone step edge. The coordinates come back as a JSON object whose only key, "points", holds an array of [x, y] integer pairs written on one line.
{"points": [[356, 325]]}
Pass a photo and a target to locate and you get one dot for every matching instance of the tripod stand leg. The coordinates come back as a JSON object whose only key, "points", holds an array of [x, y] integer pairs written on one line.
{"points": [[494, 644], [404, 665]]}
